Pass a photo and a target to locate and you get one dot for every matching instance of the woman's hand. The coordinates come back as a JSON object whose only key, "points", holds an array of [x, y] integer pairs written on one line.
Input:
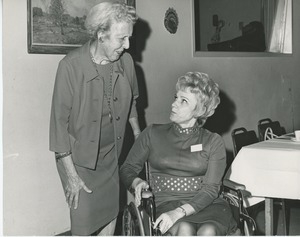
{"points": [[166, 220], [139, 185], [72, 190], [74, 183]]}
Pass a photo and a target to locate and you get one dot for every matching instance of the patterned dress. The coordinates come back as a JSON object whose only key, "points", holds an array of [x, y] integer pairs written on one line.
{"points": [[186, 166]]}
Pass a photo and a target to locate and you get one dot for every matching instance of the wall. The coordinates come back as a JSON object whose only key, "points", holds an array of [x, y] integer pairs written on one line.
{"points": [[33, 198], [253, 88]]}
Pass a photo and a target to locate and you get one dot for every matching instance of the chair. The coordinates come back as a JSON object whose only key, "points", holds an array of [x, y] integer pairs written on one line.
{"points": [[138, 221], [266, 123], [241, 137]]}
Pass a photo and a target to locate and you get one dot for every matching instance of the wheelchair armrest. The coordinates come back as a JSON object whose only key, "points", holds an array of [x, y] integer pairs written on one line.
{"points": [[233, 185], [147, 194], [237, 187]]}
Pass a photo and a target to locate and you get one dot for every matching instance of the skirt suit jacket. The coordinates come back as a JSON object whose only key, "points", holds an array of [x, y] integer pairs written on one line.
{"points": [[76, 112]]}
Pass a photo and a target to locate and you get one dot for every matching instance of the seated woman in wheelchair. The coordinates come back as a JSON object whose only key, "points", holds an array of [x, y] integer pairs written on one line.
{"points": [[186, 164]]}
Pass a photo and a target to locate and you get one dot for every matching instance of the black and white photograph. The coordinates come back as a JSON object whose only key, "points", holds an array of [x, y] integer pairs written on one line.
{"points": [[150, 118]]}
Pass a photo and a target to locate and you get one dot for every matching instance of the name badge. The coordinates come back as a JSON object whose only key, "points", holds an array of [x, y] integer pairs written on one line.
{"points": [[197, 147]]}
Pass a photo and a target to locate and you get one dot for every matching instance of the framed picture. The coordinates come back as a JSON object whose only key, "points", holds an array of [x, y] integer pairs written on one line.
{"points": [[57, 26], [130, 3]]}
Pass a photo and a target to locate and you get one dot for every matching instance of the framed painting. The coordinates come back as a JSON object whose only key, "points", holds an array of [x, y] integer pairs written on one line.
{"points": [[57, 26], [130, 3]]}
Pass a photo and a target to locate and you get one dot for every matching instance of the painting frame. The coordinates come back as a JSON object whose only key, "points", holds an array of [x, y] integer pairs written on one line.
{"points": [[38, 35], [33, 29], [130, 3]]}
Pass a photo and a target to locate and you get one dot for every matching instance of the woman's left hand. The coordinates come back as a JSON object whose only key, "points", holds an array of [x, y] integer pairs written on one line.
{"points": [[166, 220], [139, 185]]}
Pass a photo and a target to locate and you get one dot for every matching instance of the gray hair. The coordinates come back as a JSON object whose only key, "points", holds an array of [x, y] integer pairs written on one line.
{"points": [[102, 15], [206, 89]]}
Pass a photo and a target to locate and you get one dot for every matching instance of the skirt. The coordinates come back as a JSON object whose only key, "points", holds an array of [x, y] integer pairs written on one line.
{"points": [[218, 212], [100, 207]]}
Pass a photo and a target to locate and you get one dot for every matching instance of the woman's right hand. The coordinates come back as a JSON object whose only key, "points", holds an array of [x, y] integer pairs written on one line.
{"points": [[139, 185], [74, 182], [72, 190]]}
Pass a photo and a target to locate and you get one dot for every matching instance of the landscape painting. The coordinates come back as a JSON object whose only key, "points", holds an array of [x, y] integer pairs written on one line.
{"points": [[57, 26]]}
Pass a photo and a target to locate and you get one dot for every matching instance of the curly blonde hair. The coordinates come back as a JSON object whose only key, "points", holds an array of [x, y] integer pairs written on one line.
{"points": [[102, 15], [205, 89]]}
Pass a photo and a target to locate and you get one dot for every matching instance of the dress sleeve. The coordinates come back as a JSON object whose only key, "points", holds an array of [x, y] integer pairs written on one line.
{"points": [[213, 177], [60, 109], [136, 158], [135, 92], [131, 74]]}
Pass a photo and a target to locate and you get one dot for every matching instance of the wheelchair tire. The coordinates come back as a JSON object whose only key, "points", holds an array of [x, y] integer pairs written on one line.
{"points": [[132, 224]]}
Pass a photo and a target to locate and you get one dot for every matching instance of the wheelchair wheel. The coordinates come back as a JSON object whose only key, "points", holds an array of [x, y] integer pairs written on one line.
{"points": [[132, 224]]}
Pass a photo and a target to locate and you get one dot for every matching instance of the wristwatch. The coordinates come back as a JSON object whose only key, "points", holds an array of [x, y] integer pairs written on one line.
{"points": [[183, 210]]}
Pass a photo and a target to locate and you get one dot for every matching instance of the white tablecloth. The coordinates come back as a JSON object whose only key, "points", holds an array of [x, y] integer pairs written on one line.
{"points": [[268, 169]]}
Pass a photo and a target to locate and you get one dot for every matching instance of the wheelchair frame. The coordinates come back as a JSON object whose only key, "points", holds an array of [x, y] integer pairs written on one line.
{"points": [[235, 193], [138, 221]]}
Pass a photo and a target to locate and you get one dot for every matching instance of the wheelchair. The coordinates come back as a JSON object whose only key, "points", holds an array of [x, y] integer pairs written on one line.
{"points": [[235, 194], [138, 221]]}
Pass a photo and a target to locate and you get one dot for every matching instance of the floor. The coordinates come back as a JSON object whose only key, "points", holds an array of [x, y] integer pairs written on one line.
{"points": [[293, 220]]}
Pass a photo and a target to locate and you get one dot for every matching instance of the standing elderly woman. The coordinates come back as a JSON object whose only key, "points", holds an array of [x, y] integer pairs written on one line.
{"points": [[186, 164], [94, 96]]}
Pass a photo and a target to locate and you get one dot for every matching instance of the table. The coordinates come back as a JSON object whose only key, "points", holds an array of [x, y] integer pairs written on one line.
{"points": [[269, 169]]}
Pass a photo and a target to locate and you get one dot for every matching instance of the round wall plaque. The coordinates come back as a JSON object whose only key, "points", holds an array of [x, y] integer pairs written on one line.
{"points": [[171, 20]]}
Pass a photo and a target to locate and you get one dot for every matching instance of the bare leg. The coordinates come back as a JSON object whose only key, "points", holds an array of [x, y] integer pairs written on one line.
{"points": [[109, 229], [182, 229], [208, 229]]}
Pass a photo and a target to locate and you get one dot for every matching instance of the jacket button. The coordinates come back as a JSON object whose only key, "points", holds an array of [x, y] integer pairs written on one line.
{"points": [[115, 99], [119, 137], [117, 118]]}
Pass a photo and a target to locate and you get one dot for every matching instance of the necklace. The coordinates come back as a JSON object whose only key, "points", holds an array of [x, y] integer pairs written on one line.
{"points": [[190, 130], [108, 92]]}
